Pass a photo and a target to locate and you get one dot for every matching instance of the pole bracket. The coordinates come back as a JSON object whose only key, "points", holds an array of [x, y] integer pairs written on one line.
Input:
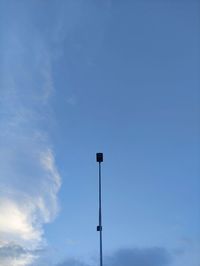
{"points": [[99, 228]]}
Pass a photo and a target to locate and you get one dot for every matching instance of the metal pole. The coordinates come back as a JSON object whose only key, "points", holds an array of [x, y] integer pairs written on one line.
{"points": [[100, 217]]}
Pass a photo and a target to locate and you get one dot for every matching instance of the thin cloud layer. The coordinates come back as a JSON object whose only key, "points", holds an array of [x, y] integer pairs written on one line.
{"points": [[139, 257], [73, 262], [130, 257]]}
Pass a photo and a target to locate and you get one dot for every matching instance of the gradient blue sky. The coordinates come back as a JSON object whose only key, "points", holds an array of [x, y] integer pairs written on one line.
{"points": [[120, 77]]}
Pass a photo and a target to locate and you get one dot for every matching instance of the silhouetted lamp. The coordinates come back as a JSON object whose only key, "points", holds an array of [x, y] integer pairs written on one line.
{"points": [[99, 157]]}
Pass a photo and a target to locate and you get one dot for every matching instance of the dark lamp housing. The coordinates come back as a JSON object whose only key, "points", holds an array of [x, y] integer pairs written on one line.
{"points": [[99, 157]]}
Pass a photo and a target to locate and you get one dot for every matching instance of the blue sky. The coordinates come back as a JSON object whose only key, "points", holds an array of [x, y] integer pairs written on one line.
{"points": [[83, 76]]}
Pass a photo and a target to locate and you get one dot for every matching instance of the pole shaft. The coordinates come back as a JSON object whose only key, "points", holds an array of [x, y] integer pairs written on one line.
{"points": [[100, 218]]}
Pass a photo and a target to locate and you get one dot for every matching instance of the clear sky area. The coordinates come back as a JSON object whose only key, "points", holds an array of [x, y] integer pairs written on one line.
{"points": [[120, 77]]}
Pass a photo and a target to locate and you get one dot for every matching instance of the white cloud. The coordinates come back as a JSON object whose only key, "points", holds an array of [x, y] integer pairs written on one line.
{"points": [[16, 224], [23, 212], [29, 179]]}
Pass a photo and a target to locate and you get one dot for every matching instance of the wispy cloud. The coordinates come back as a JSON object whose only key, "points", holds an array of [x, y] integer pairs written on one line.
{"points": [[29, 179]]}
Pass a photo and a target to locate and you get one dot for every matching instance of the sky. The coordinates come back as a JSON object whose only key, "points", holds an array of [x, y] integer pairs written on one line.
{"points": [[84, 76]]}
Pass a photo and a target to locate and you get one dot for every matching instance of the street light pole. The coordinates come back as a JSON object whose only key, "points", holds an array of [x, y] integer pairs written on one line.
{"points": [[99, 158]]}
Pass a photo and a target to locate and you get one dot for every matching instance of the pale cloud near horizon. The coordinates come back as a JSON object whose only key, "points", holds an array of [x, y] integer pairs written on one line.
{"points": [[152, 256]]}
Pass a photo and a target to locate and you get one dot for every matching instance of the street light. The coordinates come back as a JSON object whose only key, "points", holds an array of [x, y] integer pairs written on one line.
{"points": [[99, 159]]}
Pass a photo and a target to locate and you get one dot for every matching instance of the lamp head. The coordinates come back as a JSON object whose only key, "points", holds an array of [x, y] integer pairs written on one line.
{"points": [[99, 157]]}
